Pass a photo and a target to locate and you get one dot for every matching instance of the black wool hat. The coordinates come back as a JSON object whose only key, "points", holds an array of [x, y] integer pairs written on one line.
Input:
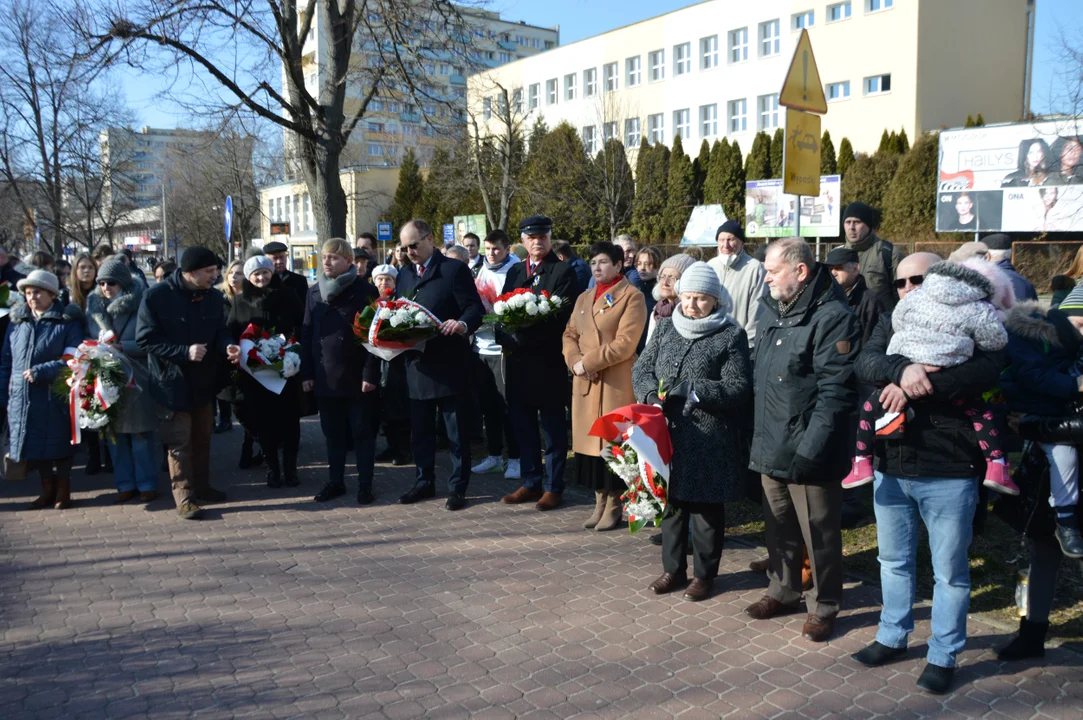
{"points": [[862, 212], [197, 258], [733, 228]]}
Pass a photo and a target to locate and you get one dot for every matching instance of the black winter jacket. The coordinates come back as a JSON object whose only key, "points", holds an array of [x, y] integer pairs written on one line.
{"points": [[939, 441], [173, 317], [274, 308], [805, 388], [297, 284], [330, 352], [867, 305]]}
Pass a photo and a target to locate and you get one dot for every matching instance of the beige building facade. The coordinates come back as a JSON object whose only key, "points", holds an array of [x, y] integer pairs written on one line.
{"points": [[714, 70]]}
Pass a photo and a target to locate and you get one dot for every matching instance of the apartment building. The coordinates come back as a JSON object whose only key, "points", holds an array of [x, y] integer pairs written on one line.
{"points": [[714, 70], [135, 162]]}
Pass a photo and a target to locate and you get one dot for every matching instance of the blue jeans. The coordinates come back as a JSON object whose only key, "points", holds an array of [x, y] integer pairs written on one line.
{"points": [[134, 465], [946, 506]]}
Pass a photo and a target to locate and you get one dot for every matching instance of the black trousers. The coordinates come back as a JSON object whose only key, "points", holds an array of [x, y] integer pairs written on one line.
{"points": [[456, 413], [494, 409], [708, 522]]}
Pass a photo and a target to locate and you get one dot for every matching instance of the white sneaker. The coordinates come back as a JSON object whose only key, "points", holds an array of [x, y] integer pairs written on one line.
{"points": [[490, 464], [512, 470]]}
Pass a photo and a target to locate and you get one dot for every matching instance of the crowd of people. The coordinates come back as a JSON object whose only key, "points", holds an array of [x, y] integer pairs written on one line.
{"points": [[790, 381]]}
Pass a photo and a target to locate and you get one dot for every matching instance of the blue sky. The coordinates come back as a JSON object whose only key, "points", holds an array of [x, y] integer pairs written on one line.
{"points": [[578, 20]]}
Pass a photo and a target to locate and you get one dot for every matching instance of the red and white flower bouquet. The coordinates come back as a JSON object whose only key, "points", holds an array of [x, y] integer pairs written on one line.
{"points": [[391, 326], [638, 450], [96, 373], [521, 308], [269, 359]]}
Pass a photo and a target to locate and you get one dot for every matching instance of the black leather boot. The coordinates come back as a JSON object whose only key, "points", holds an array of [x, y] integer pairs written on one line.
{"points": [[289, 469], [274, 471], [1029, 643]]}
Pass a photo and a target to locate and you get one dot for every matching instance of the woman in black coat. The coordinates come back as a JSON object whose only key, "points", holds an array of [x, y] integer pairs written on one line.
{"points": [[274, 418], [700, 358]]}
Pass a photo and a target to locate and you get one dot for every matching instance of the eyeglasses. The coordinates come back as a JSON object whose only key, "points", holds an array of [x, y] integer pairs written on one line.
{"points": [[900, 283], [107, 283], [411, 246], [667, 279]]}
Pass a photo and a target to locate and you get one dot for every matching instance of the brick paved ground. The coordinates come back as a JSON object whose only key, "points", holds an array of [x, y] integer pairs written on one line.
{"points": [[278, 607]]}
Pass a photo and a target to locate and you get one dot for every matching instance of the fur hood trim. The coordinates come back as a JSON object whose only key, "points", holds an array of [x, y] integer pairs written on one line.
{"points": [[126, 304], [952, 285], [1031, 320], [964, 274], [1003, 292]]}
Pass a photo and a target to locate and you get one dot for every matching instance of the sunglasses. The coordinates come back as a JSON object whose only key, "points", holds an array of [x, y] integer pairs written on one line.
{"points": [[913, 280], [107, 283], [411, 246]]}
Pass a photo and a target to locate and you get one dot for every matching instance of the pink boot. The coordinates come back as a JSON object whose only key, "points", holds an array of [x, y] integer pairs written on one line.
{"points": [[860, 474], [997, 478]]}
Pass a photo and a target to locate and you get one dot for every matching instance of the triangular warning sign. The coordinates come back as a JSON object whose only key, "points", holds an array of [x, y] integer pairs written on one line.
{"points": [[803, 89]]}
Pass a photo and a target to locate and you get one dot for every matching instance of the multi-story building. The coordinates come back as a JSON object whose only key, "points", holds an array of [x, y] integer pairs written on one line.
{"points": [[715, 69], [135, 162], [393, 121]]}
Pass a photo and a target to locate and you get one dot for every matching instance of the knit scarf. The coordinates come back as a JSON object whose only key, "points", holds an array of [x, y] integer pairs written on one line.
{"points": [[495, 267], [785, 307], [331, 288], [691, 329], [600, 290], [664, 308]]}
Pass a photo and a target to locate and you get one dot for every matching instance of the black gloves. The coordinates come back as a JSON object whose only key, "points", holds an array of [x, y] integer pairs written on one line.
{"points": [[805, 470]]}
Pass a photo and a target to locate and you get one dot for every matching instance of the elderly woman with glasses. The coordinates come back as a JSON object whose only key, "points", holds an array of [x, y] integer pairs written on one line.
{"points": [[665, 290], [112, 308]]}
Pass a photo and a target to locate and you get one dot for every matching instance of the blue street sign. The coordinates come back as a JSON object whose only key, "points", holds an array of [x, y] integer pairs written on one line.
{"points": [[449, 234], [229, 218], [383, 232]]}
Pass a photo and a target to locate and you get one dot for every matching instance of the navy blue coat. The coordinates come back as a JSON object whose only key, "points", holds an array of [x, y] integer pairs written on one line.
{"points": [[39, 422], [330, 353], [449, 293], [1022, 287], [173, 317], [1043, 348]]}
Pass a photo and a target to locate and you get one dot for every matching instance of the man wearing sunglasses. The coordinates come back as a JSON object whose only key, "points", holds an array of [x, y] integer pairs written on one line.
{"points": [[878, 258], [932, 472]]}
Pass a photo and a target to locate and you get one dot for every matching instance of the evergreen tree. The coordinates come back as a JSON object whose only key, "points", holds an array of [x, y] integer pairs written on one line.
{"points": [[680, 192], [902, 142], [537, 133], [777, 142], [712, 185], [554, 179], [610, 189], [828, 164], [733, 183], [408, 192], [652, 180], [885, 143], [869, 178], [910, 200], [700, 166], [979, 121], [846, 157], [758, 162], [969, 121]]}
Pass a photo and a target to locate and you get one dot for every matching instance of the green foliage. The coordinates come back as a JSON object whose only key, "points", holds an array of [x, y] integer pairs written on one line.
{"points": [[979, 121], [758, 163], [846, 157], [969, 121], [680, 192], [700, 166], [554, 174], [886, 142], [408, 192], [828, 164], [451, 188], [902, 143], [712, 185], [652, 181], [868, 180], [777, 142], [537, 134], [733, 183], [611, 189], [910, 200]]}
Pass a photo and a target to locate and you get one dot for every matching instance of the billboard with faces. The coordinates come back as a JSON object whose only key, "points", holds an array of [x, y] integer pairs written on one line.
{"points": [[1026, 177]]}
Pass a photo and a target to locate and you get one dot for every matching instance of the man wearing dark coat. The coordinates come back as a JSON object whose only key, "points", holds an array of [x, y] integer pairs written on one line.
{"points": [[437, 376], [280, 256], [805, 391], [537, 379]]}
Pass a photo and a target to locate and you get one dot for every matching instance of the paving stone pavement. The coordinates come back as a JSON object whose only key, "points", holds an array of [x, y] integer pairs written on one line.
{"points": [[276, 606]]}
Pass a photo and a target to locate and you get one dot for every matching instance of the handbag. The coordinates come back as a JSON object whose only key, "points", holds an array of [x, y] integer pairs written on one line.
{"points": [[14, 470], [307, 402]]}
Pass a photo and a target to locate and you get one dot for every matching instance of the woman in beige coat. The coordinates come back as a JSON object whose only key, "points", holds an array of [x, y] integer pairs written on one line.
{"points": [[599, 348]]}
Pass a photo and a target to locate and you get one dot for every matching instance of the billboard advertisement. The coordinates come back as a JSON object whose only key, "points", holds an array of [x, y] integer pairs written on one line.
{"points": [[476, 224], [771, 213], [1026, 177], [702, 225]]}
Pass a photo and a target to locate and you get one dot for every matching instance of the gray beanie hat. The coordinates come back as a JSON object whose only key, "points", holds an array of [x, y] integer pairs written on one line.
{"points": [[679, 262], [42, 279], [114, 268], [258, 262], [700, 278]]}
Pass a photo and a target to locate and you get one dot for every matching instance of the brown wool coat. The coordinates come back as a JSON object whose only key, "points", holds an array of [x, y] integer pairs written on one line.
{"points": [[606, 343]]}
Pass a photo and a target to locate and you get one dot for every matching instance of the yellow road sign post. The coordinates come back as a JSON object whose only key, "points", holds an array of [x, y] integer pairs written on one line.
{"points": [[802, 94]]}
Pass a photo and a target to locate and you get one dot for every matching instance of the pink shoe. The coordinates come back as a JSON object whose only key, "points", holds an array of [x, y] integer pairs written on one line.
{"points": [[860, 474], [997, 478]]}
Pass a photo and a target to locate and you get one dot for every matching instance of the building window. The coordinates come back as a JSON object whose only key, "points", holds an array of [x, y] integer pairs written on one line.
{"points": [[769, 38], [682, 59], [504, 57], [612, 81], [656, 124], [633, 69], [569, 86], [658, 65], [738, 113], [768, 105], [839, 11], [551, 92], [590, 142], [609, 131], [708, 52], [708, 120], [682, 124], [375, 150], [838, 91], [738, 45], [590, 82], [517, 101], [487, 108], [878, 84], [631, 133], [804, 20], [878, 5], [534, 96]]}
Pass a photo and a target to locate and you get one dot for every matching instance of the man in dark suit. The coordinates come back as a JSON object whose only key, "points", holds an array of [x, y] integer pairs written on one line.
{"points": [[536, 377], [437, 376], [280, 256]]}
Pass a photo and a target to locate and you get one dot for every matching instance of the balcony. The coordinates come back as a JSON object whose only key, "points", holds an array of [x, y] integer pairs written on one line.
{"points": [[410, 116], [508, 45], [457, 79]]}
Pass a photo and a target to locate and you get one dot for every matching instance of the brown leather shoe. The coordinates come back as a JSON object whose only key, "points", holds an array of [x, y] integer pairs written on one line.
{"points": [[699, 590], [806, 571], [522, 495], [549, 501], [148, 496], [818, 629], [124, 496], [667, 583], [760, 566], [767, 607]]}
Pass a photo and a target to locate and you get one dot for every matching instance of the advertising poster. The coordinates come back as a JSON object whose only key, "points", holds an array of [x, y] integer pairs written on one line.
{"points": [[1026, 177], [702, 225], [771, 213], [476, 224]]}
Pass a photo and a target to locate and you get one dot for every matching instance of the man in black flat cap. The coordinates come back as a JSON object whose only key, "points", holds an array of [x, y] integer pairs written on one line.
{"points": [[845, 266], [879, 259], [280, 256], [1000, 252], [536, 378]]}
